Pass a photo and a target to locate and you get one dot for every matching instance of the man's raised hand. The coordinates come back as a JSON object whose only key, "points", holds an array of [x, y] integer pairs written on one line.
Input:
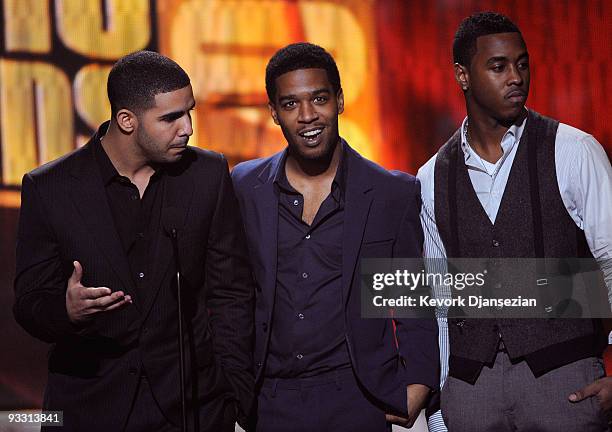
{"points": [[83, 302]]}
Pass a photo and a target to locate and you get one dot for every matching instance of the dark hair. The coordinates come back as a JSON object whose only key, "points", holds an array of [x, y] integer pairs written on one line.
{"points": [[136, 78], [474, 26], [297, 56]]}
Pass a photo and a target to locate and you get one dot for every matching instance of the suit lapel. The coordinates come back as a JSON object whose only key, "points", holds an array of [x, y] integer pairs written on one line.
{"points": [[357, 207], [266, 209], [90, 199]]}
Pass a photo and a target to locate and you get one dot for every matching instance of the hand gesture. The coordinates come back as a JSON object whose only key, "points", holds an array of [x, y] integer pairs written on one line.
{"points": [[83, 302]]}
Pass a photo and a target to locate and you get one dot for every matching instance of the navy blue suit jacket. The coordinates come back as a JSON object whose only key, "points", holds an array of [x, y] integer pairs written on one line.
{"points": [[382, 220]]}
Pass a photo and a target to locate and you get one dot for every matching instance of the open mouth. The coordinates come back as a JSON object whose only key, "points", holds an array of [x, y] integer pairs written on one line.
{"points": [[311, 135]]}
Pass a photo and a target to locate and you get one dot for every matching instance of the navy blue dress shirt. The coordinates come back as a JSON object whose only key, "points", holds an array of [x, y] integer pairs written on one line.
{"points": [[308, 330]]}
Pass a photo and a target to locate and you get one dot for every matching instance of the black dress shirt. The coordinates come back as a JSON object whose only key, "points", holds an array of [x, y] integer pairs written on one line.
{"points": [[132, 215], [308, 331]]}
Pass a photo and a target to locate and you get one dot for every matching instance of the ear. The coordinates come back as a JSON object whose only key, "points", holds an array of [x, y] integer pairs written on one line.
{"points": [[462, 76], [273, 113], [340, 101], [126, 120]]}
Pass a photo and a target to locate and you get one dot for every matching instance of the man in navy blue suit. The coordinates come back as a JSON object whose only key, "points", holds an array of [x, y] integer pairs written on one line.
{"points": [[311, 212]]}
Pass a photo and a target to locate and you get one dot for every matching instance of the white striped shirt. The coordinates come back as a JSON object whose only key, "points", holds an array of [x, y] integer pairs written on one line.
{"points": [[584, 176]]}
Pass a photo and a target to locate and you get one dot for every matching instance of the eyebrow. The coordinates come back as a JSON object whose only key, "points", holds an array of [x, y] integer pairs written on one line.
{"points": [[313, 93], [503, 59], [176, 114]]}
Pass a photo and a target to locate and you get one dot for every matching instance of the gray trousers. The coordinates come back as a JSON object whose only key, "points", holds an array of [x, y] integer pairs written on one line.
{"points": [[507, 397]]}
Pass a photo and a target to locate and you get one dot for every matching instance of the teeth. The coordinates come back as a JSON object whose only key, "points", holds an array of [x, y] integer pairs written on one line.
{"points": [[312, 133]]}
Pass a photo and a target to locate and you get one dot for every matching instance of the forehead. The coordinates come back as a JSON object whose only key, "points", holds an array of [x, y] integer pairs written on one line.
{"points": [[500, 45], [302, 81], [176, 99]]}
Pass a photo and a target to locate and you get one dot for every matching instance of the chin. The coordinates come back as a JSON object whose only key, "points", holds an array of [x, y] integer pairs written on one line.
{"points": [[311, 154], [320, 152], [510, 116], [169, 159]]}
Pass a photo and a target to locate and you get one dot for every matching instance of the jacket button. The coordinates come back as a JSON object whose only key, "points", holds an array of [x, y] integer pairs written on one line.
{"points": [[132, 371], [495, 243], [259, 364]]}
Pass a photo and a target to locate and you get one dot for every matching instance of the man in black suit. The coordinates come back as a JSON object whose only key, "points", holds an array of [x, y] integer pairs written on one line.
{"points": [[311, 213], [96, 267]]}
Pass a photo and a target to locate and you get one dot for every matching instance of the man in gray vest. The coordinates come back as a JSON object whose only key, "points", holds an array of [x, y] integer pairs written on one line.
{"points": [[511, 183]]}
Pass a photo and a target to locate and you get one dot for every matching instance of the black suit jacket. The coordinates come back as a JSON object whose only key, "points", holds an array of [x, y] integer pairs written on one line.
{"points": [[94, 369], [381, 221]]}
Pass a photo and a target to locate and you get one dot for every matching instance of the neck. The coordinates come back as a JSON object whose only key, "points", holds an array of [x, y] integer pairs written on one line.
{"points": [[311, 169], [123, 153], [485, 133]]}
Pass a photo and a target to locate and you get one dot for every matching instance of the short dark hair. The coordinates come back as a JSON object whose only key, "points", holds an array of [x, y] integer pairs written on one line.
{"points": [[474, 26], [302, 55], [136, 78]]}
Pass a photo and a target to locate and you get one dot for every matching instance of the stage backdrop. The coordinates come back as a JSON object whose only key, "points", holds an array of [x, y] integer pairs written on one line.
{"points": [[394, 58]]}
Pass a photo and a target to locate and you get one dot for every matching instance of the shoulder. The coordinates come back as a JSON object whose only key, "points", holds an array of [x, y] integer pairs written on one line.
{"points": [[426, 172], [388, 184], [426, 175], [60, 167], [197, 163], [574, 144], [569, 135], [201, 157], [250, 167], [248, 171]]}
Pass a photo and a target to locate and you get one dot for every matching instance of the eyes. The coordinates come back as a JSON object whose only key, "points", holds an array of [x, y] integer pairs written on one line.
{"points": [[502, 67], [291, 104]]}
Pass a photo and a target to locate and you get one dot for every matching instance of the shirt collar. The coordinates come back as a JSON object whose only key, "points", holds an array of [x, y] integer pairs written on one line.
{"points": [[511, 137], [107, 169], [338, 184]]}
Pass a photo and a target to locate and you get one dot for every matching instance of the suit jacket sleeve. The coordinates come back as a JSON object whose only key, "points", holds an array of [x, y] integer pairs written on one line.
{"points": [[40, 282], [417, 338], [230, 298]]}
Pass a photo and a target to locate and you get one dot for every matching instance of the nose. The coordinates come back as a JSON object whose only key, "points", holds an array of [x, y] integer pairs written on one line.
{"points": [[186, 126], [515, 77], [307, 113]]}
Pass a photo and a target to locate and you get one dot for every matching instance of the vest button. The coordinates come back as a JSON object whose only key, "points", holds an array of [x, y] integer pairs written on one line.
{"points": [[495, 243]]}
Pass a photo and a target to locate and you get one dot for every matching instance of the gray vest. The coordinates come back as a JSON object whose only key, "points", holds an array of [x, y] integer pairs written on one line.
{"points": [[531, 222]]}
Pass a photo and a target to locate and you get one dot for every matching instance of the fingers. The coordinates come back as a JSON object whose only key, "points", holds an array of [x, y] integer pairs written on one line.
{"points": [[401, 421], [103, 302], [123, 301], [83, 302], [93, 293], [77, 273], [585, 392]]}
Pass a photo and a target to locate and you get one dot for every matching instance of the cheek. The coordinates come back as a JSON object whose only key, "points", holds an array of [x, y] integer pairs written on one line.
{"points": [[488, 89], [285, 122]]}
